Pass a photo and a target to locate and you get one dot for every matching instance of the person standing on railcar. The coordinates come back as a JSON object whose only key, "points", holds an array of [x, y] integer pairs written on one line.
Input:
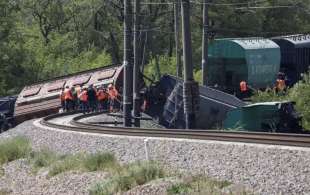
{"points": [[102, 97], [68, 98]]}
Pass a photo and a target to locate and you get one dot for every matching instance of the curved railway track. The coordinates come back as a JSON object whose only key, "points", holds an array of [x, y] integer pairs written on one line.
{"points": [[301, 140]]}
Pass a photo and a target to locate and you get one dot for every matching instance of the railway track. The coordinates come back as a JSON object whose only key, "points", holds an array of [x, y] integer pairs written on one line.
{"points": [[301, 140]]}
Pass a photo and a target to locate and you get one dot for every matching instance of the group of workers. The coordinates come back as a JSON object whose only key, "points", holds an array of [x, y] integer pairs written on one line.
{"points": [[280, 86], [89, 99]]}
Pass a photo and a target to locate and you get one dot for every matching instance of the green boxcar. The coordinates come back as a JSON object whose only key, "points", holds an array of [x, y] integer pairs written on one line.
{"points": [[265, 116], [254, 117], [255, 60]]}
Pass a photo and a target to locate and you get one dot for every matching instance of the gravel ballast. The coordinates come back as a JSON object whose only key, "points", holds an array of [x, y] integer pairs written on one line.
{"points": [[265, 169]]}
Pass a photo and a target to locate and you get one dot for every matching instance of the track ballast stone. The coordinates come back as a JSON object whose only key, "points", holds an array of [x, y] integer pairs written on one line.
{"points": [[266, 169]]}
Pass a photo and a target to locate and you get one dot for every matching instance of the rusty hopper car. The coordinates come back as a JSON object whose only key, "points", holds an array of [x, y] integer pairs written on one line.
{"points": [[42, 98]]}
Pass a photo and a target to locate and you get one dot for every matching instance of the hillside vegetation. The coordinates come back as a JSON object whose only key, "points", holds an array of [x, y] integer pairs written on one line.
{"points": [[40, 39]]}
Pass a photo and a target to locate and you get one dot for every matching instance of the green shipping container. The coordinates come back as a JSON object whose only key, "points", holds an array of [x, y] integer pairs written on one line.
{"points": [[254, 60]]}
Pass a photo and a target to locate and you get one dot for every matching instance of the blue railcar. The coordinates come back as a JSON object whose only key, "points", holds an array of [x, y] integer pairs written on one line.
{"points": [[295, 55]]}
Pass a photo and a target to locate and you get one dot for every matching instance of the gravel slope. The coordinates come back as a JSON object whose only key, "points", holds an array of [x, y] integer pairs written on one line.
{"points": [[18, 179], [266, 169]]}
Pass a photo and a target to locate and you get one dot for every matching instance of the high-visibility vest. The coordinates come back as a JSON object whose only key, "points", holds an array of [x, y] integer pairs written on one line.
{"points": [[62, 96], [281, 84], [83, 96], [102, 95], [243, 86], [68, 94], [113, 93]]}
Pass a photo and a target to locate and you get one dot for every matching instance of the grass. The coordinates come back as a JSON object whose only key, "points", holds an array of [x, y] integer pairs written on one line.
{"points": [[13, 149], [130, 176], [42, 158], [198, 185], [84, 162]]}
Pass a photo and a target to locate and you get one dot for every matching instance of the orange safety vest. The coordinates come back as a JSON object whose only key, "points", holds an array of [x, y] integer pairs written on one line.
{"points": [[83, 96], [68, 94], [62, 96], [113, 93], [243, 86], [281, 84], [102, 95]]}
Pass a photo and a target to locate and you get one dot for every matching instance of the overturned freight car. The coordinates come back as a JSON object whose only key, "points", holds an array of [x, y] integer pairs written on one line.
{"points": [[254, 60], [166, 104], [42, 98]]}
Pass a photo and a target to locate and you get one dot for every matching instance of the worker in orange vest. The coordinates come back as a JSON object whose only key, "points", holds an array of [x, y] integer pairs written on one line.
{"points": [[113, 94], [83, 97], [243, 89], [102, 97], [68, 98], [62, 100], [280, 85]]}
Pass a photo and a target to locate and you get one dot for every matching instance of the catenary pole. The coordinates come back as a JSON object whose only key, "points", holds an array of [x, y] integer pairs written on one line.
{"points": [[128, 69], [136, 69], [205, 43], [177, 37], [190, 88]]}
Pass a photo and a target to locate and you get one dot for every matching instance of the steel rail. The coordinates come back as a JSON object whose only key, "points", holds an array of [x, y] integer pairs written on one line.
{"points": [[300, 140]]}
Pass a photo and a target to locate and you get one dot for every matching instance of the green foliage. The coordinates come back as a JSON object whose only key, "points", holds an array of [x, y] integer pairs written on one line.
{"points": [[40, 39], [71, 162], [198, 185], [13, 149], [159, 66], [42, 158], [100, 161], [129, 177], [84, 162], [299, 93]]}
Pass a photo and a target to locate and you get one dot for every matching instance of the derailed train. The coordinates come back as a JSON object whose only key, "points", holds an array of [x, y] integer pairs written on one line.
{"points": [[255, 60]]}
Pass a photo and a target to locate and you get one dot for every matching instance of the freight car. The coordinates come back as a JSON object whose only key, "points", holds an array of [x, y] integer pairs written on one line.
{"points": [[166, 104], [295, 56], [254, 60], [42, 98], [7, 112]]}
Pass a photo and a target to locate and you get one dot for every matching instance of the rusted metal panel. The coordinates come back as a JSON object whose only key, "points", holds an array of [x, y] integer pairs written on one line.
{"points": [[81, 80], [56, 86], [31, 91], [105, 74]]}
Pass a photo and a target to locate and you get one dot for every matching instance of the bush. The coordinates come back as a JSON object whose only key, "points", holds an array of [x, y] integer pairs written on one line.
{"points": [[14, 149], [129, 177], [198, 184], [299, 93], [83, 162], [68, 163], [100, 161], [42, 158]]}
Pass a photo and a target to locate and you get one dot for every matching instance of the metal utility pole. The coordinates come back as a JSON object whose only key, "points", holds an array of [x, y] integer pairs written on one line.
{"points": [[136, 68], [128, 69], [205, 42], [190, 87], [177, 37]]}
